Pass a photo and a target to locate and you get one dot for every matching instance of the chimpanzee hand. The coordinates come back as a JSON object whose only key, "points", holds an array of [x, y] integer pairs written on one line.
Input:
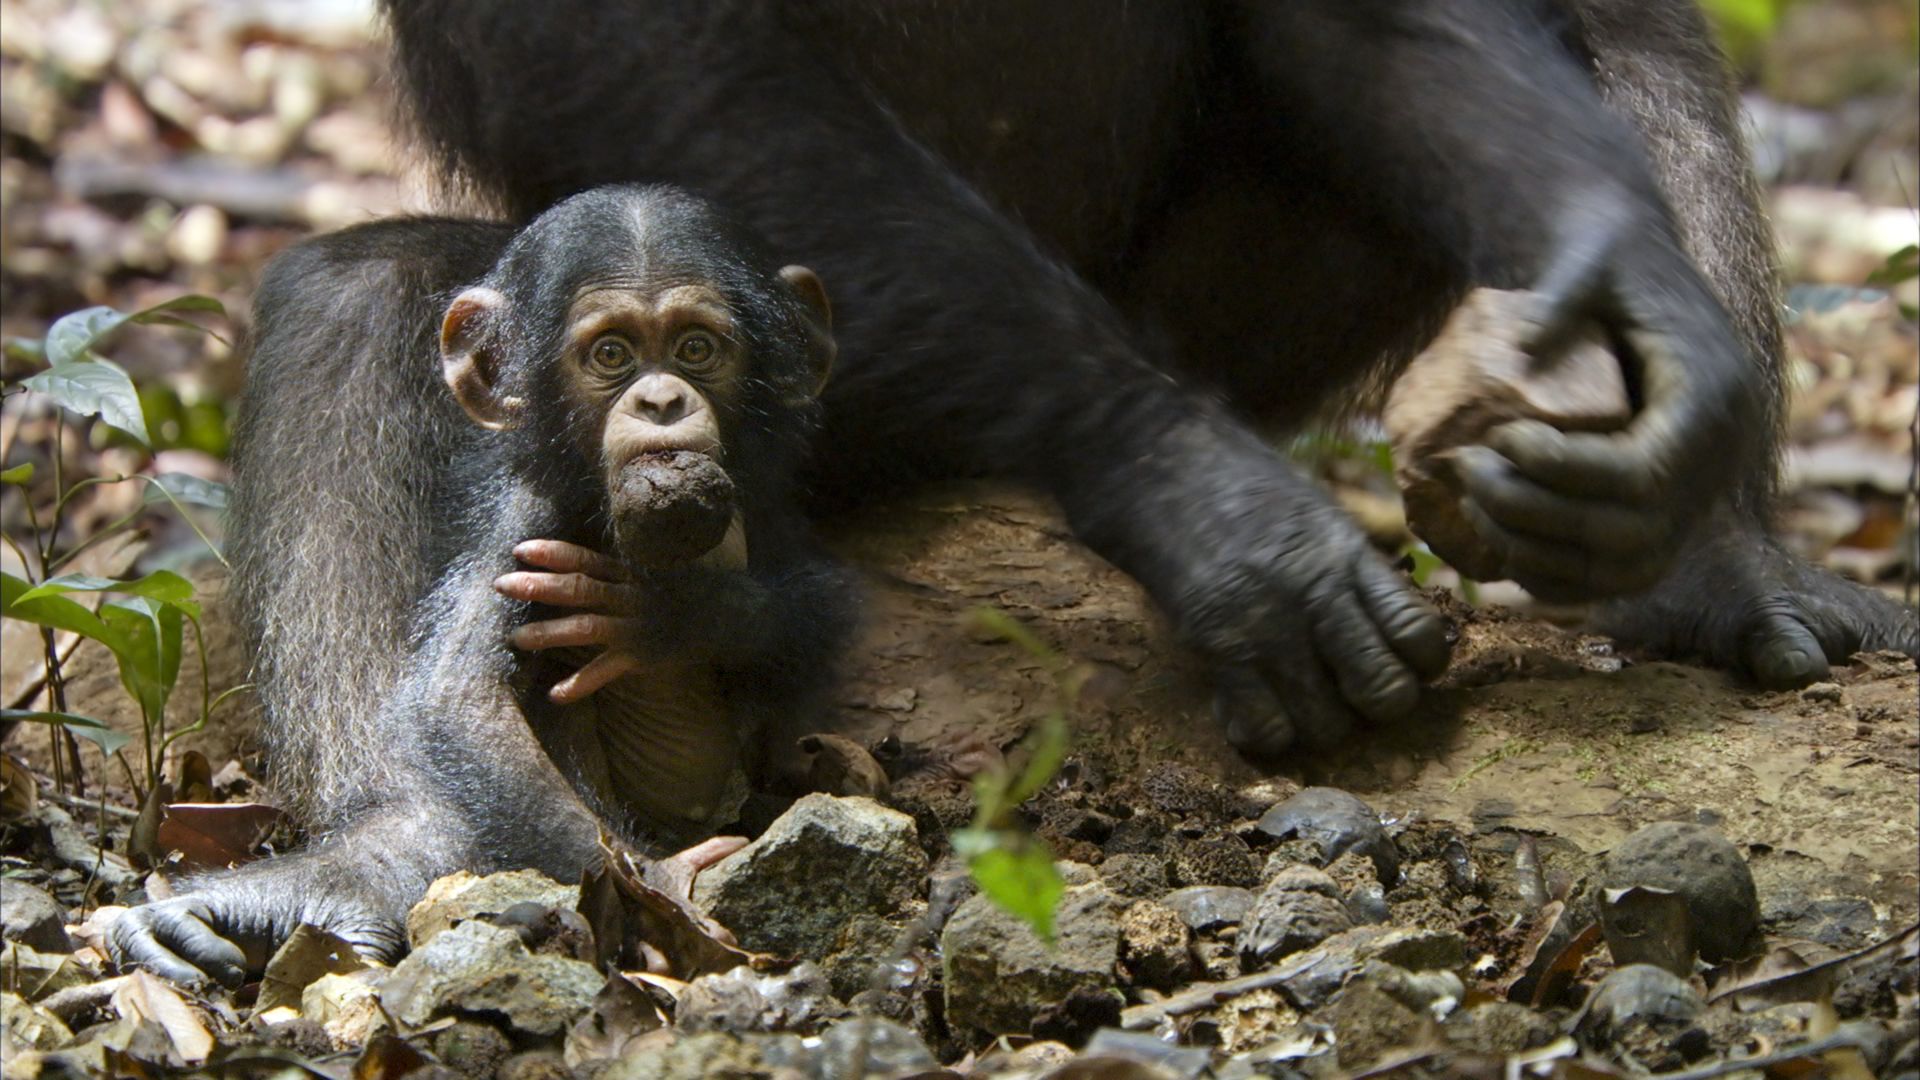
{"points": [[1268, 578], [1577, 516], [228, 928], [635, 622]]}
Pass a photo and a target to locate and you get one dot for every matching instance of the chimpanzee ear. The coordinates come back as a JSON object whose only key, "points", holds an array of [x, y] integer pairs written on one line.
{"points": [[806, 285], [470, 358]]}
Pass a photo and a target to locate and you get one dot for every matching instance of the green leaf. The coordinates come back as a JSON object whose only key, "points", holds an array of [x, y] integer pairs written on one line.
{"points": [[1902, 265], [162, 585], [86, 727], [57, 612], [95, 388], [187, 489], [1016, 872], [1425, 562], [72, 338], [1048, 744], [19, 474], [149, 655], [27, 350]]}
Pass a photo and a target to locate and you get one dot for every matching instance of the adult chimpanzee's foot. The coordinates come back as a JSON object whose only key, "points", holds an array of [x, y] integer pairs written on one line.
{"points": [[1737, 600]]}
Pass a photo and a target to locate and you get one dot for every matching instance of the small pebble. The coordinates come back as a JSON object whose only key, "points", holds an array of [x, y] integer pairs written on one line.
{"points": [[1707, 870], [1337, 822]]}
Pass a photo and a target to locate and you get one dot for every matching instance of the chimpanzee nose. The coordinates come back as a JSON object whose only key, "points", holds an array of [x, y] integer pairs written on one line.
{"points": [[663, 400]]}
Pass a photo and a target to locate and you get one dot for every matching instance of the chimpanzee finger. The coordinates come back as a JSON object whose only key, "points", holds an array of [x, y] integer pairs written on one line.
{"points": [[1410, 624], [1314, 706], [565, 631], [1255, 721], [592, 677], [559, 590], [1782, 652], [561, 556], [174, 939], [1558, 571], [1617, 467], [1521, 506], [674, 875], [1372, 677]]}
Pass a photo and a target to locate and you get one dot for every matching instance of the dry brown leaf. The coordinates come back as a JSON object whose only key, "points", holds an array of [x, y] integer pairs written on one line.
{"points": [[146, 997], [216, 835], [309, 952], [623, 1011]]}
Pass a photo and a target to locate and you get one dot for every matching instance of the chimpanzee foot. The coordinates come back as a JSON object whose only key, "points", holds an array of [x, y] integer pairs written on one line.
{"points": [[231, 929], [1738, 601]]}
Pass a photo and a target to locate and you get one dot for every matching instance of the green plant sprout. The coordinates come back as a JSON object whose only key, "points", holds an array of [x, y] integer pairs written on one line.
{"points": [[143, 626], [1012, 866]]}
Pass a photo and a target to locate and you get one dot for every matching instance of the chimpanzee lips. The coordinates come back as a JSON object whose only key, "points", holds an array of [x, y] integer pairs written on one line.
{"points": [[670, 507]]}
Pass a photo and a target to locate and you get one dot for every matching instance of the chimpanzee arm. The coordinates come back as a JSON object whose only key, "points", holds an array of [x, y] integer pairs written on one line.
{"points": [[474, 791], [1522, 172]]}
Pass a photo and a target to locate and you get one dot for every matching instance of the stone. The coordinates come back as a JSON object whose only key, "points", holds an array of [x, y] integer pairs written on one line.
{"points": [[1206, 908], [1299, 908], [1135, 875], [744, 1000], [1335, 822], [477, 967], [1471, 379], [999, 975], [32, 918], [1702, 866], [770, 893], [1153, 945], [1500, 1027], [461, 896], [347, 1007]]}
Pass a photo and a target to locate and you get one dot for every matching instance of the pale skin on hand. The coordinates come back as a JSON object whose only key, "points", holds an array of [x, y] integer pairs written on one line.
{"points": [[571, 576]]}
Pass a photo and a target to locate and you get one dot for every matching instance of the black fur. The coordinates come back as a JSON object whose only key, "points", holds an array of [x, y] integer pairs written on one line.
{"points": [[371, 519]]}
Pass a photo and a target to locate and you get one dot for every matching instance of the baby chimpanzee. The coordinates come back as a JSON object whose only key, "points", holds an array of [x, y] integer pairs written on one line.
{"points": [[623, 595]]}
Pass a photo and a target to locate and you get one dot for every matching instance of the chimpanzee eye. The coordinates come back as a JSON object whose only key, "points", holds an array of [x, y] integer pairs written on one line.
{"points": [[697, 350], [610, 353]]}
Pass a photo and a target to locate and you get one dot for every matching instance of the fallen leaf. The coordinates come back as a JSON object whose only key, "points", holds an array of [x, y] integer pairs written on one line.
{"points": [[623, 1011], [308, 953], [146, 997], [216, 835]]}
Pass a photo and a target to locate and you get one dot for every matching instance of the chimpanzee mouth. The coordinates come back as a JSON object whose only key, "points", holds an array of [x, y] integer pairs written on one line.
{"points": [[670, 506]]}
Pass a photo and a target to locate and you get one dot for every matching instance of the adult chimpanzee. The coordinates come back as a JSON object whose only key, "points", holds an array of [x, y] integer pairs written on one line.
{"points": [[629, 376], [1034, 213]]}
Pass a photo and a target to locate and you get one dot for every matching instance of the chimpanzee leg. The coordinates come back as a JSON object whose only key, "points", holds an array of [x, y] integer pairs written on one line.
{"points": [[964, 348], [1734, 596]]}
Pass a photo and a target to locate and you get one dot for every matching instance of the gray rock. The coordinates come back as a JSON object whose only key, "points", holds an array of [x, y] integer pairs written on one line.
{"points": [[1500, 1027], [31, 917], [1641, 990], [1336, 822], [999, 975], [477, 967], [822, 862], [1209, 907], [891, 1050], [744, 1000], [1135, 875], [1153, 942], [1703, 867], [461, 896], [1299, 908], [1165, 1059]]}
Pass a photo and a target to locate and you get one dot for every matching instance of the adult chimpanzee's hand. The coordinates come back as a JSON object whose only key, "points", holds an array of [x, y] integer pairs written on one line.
{"points": [[229, 927], [1577, 516], [1263, 574]]}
